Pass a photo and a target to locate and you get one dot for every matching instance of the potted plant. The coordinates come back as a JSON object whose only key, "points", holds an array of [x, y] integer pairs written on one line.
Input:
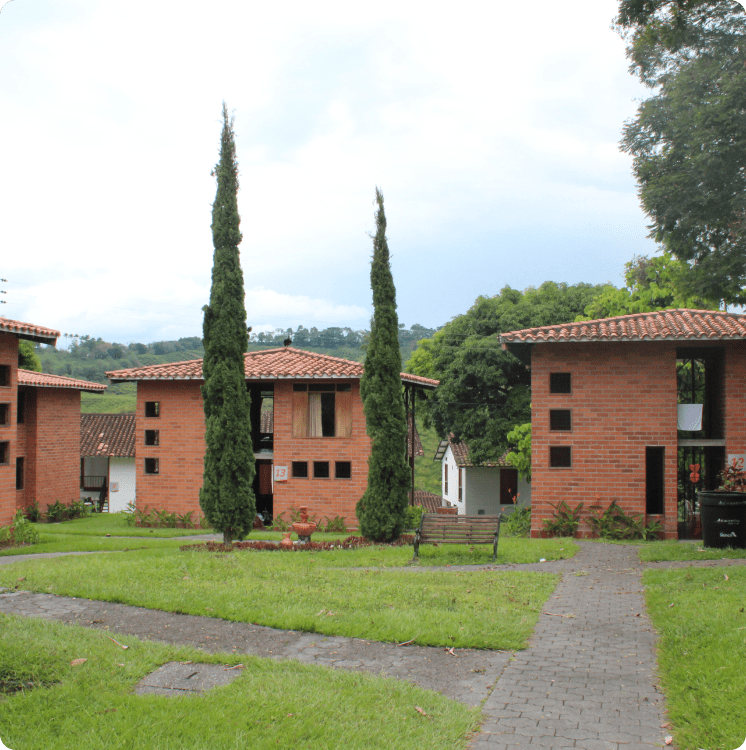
{"points": [[723, 511]]}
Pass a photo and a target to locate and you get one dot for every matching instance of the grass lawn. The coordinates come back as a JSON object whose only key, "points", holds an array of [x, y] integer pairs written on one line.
{"points": [[306, 591], [662, 551], [701, 618], [272, 704]]}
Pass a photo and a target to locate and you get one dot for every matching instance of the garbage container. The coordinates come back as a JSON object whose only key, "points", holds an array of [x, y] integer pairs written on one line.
{"points": [[723, 517]]}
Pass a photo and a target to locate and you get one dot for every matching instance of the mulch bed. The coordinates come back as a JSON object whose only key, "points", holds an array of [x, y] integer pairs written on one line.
{"points": [[352, 542]]}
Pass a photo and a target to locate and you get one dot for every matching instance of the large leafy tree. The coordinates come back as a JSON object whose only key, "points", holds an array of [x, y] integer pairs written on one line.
{"points": [[689, 139], [655, 283], [227, 496], [485, 392], [382, 508], [28, 359]]}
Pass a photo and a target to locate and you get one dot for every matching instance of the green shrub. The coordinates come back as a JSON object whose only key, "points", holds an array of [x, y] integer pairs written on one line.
{"points": [[615, 524], [33, 512], [565, 520], [413, 517], [518, 522], [77, 509], [20, 531], [334, 525], [57, 512]]}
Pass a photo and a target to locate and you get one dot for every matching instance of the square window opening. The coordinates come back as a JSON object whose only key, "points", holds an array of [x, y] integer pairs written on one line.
{"points": [[152, 408], [4, 415], [21, 407], [321, 470], [300, 469], [4, 453], [152, 437], [4, 375], [560, 382], [560, 456], [343, 470], [560, 420], [152, 466]]}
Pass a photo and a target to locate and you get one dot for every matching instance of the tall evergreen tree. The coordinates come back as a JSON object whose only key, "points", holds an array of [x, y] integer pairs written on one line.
{"points": [[227, 496], [382, 508]]}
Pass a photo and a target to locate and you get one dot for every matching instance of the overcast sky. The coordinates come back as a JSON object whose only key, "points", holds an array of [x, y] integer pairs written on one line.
{"points": [[492, 130]]}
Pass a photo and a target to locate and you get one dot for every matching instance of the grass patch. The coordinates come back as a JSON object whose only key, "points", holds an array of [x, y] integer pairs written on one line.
{"points": [[306, 592], [701, 620], [663, 551], [272, 704], [100, 524]]}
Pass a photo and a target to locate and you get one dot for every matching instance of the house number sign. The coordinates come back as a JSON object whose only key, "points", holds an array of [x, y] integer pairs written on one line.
{"points": [[281, 473]]}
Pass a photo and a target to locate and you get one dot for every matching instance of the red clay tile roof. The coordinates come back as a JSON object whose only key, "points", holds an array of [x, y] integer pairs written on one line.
{"points": [[44, 380], [268, 364], [663, 325], [107, 435], [461, 456], [29, 331], [428, 500]]}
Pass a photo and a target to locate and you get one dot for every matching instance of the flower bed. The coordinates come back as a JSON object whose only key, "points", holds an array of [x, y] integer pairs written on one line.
{"points": [[352, 542]]}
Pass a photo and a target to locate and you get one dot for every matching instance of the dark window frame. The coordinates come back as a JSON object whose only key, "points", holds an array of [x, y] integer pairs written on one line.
{"points": [[318, 470], [556, 456], [346, 469], [152, 406], [152, 466], [4, 452], [299, 469], [155, 436], [5, 414], [560, 382], [20, 472], [554, 413], [5, 376]]}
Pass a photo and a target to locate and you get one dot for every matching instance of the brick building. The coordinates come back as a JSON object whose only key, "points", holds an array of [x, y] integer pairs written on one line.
{"points": [[39, 426], [612, 406], [316, 453]]}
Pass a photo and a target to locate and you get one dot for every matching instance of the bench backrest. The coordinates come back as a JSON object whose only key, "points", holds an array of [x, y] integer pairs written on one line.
{"points": [[458, 528]]}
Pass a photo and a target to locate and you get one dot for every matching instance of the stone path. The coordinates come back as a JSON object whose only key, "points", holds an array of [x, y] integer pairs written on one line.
{"points": [[587, 680]]}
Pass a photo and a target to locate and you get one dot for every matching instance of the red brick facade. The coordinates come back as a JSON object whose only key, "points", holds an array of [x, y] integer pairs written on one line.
{"points": [[181, 449], [40, 432], [623, 400]]}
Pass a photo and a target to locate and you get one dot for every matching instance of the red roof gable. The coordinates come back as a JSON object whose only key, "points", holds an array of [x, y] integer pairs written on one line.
{"points": [[662, 325], [29, 331], [107, 435], [268, 364], [45, 380]]}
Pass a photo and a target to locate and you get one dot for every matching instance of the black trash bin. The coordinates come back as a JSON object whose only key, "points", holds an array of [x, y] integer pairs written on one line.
{"points": [[723, 517]]}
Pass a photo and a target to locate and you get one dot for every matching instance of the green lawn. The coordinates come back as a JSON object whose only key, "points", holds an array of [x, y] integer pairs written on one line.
{"points": [[700, 615], [662, 551], [305, 591], [272, 704]]}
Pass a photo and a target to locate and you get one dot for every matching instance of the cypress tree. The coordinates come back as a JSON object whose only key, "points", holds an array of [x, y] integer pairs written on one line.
{"points": [[227, 496], [382, 508]]}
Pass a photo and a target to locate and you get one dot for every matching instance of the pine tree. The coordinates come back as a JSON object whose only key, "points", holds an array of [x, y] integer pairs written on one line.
{"points": [[382, 508], [227, 496]]}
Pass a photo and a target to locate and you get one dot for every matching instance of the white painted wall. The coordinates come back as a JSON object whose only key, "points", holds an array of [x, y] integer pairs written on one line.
{"points": [[452, 496], [121, 470]]}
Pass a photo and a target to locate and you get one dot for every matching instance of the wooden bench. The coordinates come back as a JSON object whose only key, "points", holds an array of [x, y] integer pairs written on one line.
{"points": [[446, 529]]}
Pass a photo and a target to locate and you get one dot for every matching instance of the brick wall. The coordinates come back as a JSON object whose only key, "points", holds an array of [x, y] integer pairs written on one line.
{"points": [[735, 397], [9, 395], [623, 399], [53, 466], [181, 448], [324, 497]]}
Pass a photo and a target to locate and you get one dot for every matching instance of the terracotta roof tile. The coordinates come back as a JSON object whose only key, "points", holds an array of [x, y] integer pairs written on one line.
{"points": [[461, 455], [45, 380], [663, 325], [428, 500], [268, 364], [107, 435], [29, 331]]}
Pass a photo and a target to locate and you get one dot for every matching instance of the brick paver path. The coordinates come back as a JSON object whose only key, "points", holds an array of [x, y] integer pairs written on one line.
{"points": [[588, 678]]}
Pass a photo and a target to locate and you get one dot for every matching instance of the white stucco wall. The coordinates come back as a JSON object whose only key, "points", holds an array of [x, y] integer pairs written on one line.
{"points": [[452, 495], [121, 470]]}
